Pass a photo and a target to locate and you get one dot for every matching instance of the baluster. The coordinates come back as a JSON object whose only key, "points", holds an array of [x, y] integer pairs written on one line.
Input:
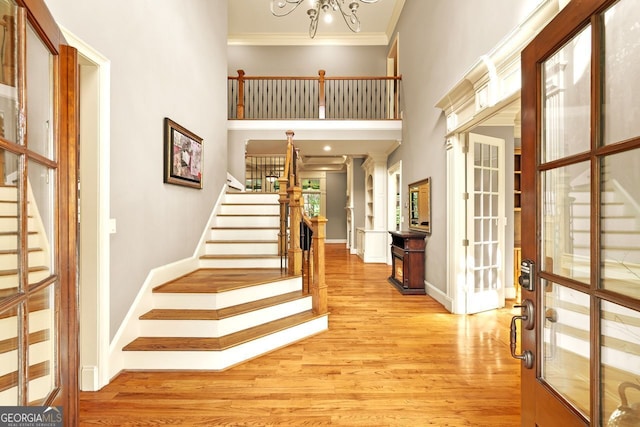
{"points": [[321, 101]]}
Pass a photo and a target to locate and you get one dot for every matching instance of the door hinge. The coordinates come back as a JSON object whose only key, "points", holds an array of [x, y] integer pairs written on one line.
{"points": [[465, 242], [465, 196]]}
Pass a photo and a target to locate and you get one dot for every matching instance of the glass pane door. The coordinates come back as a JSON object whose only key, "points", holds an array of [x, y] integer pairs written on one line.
{"points": [[485, 230]]}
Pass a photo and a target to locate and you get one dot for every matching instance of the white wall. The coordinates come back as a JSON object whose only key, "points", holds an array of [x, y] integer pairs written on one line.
{"points": [[336, 214], [439, 40], [168, 59]]}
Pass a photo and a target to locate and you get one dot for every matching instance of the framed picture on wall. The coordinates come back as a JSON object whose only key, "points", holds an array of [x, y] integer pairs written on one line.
{"points": [[182, 155]]}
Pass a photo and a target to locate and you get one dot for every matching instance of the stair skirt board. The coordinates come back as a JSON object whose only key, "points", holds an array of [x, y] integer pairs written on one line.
{"points": [[223, 359], [214, 301], [222, 327]]}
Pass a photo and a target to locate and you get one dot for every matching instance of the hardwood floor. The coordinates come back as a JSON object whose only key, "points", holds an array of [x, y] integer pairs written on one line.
{"points": [[387, 360]]}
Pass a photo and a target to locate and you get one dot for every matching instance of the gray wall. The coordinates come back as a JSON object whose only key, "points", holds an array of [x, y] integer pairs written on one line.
{"points": [[336, 186], [158, 69], [439, 40], [337, 61]]}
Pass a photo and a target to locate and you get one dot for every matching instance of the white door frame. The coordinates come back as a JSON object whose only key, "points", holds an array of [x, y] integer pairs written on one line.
{"points": [[394, 174], [94, 208]]}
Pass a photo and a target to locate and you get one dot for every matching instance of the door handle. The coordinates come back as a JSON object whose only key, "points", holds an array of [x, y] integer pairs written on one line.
{"points": [[527, 319]]}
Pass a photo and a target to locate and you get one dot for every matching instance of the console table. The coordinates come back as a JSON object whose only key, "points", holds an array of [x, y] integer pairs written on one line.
{"points": [[407, 262]]}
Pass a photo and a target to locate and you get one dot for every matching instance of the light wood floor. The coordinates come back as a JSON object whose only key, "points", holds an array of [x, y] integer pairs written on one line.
{"points": [[387, 360]]}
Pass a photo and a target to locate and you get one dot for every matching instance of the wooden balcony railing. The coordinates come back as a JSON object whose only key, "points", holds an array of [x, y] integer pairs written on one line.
{"points": [[302, 257], [322, 97]]}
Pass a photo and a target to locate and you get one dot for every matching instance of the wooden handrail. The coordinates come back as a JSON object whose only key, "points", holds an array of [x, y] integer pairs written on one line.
{"points": [[275, 99]]}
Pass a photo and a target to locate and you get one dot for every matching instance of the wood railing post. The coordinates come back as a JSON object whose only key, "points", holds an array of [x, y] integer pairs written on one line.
{"points": [[295, 215], [240, 106], [318, 285], [321, 100]]}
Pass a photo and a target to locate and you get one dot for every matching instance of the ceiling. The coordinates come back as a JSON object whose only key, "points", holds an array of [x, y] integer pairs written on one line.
{"points": [[260, 27]]}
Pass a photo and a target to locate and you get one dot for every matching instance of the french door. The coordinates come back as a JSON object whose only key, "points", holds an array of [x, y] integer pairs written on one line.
{"points": [[485, 224], [580, 323], [38, 136]]}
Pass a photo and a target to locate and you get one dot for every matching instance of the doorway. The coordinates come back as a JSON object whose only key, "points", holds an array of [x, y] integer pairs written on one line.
{"points": [[94, 225]]}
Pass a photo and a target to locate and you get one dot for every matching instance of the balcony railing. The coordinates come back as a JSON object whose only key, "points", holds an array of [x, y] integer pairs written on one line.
{"points": [[322, 97]]}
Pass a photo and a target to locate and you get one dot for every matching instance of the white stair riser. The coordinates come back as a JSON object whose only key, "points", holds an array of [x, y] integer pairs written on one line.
{"points": [[247, 221], [226, 299], [11, 280], [249, 198], [608, 210], [249, 209], [10, 261], [252, 248], [9, 193], [244, 234], [621, 240], [11, 224], [10, 242], [240, 263], [8, 208], [222, 327], [217, 360], [611, 224], [584, 197]]}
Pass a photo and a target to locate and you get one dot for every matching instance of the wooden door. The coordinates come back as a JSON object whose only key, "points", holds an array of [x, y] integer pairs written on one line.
{"points": [[581, 218], [38, 136]]}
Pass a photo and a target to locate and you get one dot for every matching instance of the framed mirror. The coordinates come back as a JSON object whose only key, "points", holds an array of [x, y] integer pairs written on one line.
{"points": [[420, 206]]}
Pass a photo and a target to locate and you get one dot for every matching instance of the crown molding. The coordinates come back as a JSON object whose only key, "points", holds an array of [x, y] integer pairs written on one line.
{"points": [[303, 39]]}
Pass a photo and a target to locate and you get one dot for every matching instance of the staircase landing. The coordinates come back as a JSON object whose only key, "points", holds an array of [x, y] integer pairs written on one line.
{"points": [[214, 280]]}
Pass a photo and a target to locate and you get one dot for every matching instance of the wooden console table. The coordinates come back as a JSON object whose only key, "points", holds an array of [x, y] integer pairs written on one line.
{"points": [[407, 262]]}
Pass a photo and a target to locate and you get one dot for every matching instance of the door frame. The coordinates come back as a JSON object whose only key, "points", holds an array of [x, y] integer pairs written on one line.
{"points": [[94, 276], [394, 184]]}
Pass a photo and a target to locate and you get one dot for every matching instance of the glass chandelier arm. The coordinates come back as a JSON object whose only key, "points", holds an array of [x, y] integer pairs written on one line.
{"points": [[284, 7]]}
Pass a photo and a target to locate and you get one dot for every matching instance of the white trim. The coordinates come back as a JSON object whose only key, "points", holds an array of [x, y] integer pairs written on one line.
{"points": [[439, 296], [298, 125], [101, 311], [335, 241], [392, 172], [303, 39]]}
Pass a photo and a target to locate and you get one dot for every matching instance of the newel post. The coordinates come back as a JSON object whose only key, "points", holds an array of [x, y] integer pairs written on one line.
{"points": [[295, 252], [319, 285], [240, 106], [321, 100]]}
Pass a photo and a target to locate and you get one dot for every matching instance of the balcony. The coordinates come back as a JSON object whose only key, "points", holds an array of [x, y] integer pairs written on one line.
{"points": [[310, 98]]}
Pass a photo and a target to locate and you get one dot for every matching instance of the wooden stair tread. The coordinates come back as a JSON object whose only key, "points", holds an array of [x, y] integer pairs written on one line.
{"points": [[15, 271], [221, 343], [214, 280], [223, 313]]}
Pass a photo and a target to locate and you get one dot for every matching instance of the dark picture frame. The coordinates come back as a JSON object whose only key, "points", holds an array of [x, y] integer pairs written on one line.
{"points": [[182, 155]]}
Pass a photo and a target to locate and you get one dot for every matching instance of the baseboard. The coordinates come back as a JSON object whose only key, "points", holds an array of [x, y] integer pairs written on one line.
{"points": [[335, 240], [89, 378], [439, 296]]}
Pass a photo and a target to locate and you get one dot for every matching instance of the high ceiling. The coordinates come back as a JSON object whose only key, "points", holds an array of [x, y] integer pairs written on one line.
{"points": [[251, 22]]}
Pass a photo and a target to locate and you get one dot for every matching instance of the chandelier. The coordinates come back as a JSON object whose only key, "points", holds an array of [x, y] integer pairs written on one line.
{"points": [[349, 12]]}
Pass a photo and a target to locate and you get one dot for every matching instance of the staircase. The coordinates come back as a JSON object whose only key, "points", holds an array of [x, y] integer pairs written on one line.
{"points": [[237, 306], [620, 238], [41, 307]]}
